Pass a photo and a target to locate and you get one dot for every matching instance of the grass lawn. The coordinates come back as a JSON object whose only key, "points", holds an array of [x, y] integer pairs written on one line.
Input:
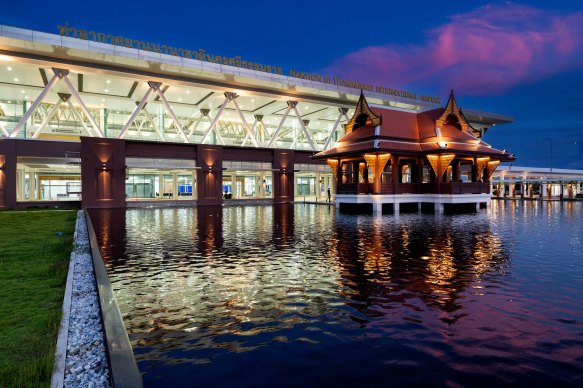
{"points": [[33, 272]]}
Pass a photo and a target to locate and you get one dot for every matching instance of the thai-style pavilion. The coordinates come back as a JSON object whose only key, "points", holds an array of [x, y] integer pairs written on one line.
{"points": [[394, 157]]}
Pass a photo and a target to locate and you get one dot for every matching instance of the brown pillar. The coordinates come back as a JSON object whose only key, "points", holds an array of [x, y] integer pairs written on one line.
{"points": [[420, 171], [283, 176], [439, 176], [103, 172], [377, 176], [209, 177], [395, 173], [7, 173], [338, 175], [455, 171], [475, 171]]}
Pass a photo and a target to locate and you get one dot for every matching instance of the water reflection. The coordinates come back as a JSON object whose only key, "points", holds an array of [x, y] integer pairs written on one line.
{"points": [[294, 294], [386, 264]]}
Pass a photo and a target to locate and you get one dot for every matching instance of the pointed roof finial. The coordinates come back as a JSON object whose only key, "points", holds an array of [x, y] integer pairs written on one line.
{"points": [[363, 115], [452, 109]]}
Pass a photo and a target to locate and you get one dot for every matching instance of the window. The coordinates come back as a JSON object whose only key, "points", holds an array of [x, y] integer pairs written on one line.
{"points": [[406, 173], [387, 176], [426, 174]]}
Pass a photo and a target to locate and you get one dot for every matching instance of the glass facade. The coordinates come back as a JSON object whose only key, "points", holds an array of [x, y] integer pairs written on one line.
{"points": [[47, 179], [247, 180]]}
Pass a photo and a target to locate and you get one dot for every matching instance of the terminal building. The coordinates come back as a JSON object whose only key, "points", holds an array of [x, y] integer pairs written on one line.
{"points": [[106, 121]]}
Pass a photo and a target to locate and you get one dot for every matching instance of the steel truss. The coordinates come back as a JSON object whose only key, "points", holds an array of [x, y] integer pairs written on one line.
{"points": [[257, 134]]}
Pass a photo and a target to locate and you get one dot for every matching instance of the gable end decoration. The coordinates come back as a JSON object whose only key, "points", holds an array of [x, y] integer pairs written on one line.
{"points": [[362, 116]]}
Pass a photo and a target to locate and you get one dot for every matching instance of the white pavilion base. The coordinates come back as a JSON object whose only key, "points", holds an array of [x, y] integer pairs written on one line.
{"points": [[438, 200]]}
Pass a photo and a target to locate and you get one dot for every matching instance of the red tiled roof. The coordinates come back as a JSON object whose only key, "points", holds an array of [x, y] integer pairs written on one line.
{"points": [[411, 132]]}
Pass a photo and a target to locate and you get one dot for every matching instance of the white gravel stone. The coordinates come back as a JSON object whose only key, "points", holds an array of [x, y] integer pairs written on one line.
{"points": [[86, 363]]}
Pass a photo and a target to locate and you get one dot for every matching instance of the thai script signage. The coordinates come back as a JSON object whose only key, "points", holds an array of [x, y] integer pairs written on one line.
{"points": [[236, 61]]}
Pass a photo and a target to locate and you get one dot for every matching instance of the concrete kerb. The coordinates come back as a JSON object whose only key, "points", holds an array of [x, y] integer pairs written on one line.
{"points": [[124, 370], [58, 377]]}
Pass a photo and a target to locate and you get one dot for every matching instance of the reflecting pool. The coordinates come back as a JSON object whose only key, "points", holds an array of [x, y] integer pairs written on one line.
{"points": [[301, 295]]}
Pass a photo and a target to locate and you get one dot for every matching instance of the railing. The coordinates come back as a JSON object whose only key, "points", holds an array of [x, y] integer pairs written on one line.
{"points": [[417, 188], [351, 188], [465, 188]]}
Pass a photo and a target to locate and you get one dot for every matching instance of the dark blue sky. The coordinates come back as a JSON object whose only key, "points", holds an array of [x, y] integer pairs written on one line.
{"points": [[523, 59]]}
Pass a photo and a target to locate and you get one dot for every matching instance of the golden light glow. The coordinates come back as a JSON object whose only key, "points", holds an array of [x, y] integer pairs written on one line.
{"points": [[361, 167], [491, 167], [446, 160], [480, 165], [333, 163], [383, 159], [433, 161], [371, 161]]}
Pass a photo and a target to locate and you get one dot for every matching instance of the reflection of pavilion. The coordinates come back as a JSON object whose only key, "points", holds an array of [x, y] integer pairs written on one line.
{"points": [[393, 157], [436, 263]]}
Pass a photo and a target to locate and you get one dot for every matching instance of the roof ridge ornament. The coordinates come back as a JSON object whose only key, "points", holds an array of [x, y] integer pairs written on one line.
{"points": [[363, 115], [453, 109]]}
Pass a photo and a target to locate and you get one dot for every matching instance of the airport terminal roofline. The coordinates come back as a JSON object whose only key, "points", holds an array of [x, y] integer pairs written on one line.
{"points": [[34, 46]]}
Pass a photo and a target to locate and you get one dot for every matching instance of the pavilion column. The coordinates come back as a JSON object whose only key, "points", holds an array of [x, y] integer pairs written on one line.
{"points": [[395, 172], [338, 176], [420, 171], [475, 170], [377, 176], [455, 171], [355, 172]]}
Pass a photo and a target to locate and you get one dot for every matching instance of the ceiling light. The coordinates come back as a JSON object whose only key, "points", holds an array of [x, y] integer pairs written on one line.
{"points": [[103, 100], [188, 92], [108, 81], [9, 102], [106, 90], [179, 99], [15, 79], [26, 97], [22, 91], [306, 107], [9, 68], [252, 100]]}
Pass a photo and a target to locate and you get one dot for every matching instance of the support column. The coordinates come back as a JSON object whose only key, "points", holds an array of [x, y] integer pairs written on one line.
{"points": [[7, 174], [103, 172], [210, 175], [395, 173], [283, 175], [439, 208], [377, 207], [475, 171], [396, 208]]}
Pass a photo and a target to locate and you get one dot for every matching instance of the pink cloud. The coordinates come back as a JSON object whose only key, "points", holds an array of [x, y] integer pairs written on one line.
{"points": [[484, 51]]}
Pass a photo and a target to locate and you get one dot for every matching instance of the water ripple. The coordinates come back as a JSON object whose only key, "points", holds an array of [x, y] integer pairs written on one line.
{"points": [[293, 295]]}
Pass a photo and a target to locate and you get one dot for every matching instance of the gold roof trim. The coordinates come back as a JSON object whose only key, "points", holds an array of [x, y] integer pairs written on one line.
{"points": [[452, 108], [362, 108]]}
